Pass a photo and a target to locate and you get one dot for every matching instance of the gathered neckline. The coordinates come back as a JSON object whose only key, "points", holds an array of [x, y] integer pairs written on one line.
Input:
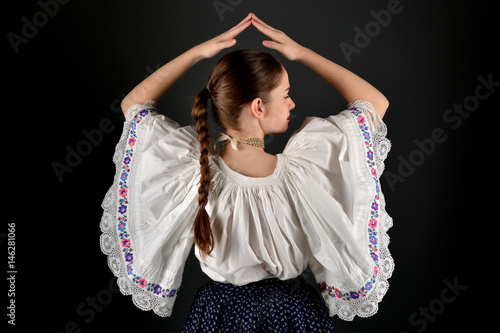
{"points": [[242, 179]]}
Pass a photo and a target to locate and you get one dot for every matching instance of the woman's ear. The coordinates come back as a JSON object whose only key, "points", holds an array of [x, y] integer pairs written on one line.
{"points": [[257, 108]]}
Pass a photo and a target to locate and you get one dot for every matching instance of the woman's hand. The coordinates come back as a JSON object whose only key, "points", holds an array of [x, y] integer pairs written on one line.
{"points": [[225, 40], [158, 83], [346, 83], [280, 41]]}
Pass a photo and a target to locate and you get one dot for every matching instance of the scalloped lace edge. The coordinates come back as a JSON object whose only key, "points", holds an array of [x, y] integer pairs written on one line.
{"points": [[109, 240], [367, 306]]}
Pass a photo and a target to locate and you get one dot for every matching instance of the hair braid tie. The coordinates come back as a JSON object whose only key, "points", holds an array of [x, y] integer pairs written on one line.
{"points": [[205, 93]]}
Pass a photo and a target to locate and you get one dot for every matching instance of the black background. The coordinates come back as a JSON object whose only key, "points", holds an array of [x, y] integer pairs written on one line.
{"points": [[68, 77]]}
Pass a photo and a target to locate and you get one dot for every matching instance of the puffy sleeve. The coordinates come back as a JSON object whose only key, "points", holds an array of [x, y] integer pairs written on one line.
{"points": [[337, 163], [149, 209]]}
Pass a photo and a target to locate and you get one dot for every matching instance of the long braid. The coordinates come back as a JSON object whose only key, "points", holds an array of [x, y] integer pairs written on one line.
{"points": [[203, 236]]}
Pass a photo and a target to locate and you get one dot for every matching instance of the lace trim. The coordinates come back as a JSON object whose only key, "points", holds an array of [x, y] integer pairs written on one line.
{"points": [[378, 130], [364, 301], [132, 111], [115, 241]]}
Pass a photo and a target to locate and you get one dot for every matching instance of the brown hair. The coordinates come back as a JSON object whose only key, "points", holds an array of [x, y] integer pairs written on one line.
{"points": [[236, 80]]}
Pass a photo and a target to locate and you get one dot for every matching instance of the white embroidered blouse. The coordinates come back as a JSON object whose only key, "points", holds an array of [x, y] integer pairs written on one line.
{"points": [[322, 207]]}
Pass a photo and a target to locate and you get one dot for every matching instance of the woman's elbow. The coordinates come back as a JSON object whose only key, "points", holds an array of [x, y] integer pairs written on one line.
{"points": [[125, 105], [381, 107]]}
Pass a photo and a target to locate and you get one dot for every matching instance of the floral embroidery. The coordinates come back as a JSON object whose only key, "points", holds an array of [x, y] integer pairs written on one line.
{"points": [[142, 283], [123, 192], [372, 223], [369, 154], [157, 289], [122, 209], [126, 243]]}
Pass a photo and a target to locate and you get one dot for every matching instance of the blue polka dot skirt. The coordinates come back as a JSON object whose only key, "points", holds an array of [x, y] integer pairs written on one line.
{"points": [[270, 305]]}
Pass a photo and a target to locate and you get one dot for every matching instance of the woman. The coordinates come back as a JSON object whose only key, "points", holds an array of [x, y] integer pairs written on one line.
{"points": [[257, 220]]}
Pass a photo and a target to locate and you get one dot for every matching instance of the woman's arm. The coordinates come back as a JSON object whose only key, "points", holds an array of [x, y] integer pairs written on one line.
{"points": [[158, 83], [346, 83]]}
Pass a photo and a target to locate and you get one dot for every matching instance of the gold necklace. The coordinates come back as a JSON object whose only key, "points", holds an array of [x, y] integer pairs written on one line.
{"points": [[255, 142]]}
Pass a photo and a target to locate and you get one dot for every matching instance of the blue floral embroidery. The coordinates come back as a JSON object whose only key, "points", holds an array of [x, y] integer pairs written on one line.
{"points": [[127, 249], [374, 215]]}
